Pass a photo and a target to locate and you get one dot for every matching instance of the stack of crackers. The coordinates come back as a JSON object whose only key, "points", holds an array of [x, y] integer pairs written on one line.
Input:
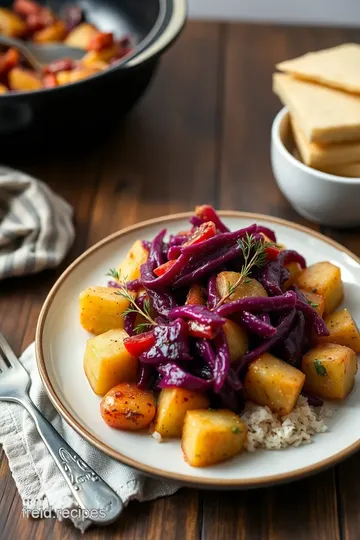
{"points": [[322, 92]]}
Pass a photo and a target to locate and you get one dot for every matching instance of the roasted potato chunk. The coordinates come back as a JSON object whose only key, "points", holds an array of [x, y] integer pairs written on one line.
{"points": [[249, 287], [11, 24], [172, 406], [24, 79], [128, 408], [343, 330], [315, 300], [323, 278], [273, 383], [105, 55], [81, 36], [54, 32], [294, 269], [330, 370], [129, 269], [236, 338], [107, 362], [212, 436], [101, 309]]}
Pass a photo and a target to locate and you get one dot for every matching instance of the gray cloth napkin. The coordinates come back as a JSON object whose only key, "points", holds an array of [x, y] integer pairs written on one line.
{"points": [[36, 227], [39, 482]]}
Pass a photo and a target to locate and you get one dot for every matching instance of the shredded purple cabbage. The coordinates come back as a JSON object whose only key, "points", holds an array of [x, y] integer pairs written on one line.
{"points": [[114, 284], [197, 313], [134, 285], [256, 304], [174, 375], [222, 361], [212, 294], [171, 343], [254, 324]]}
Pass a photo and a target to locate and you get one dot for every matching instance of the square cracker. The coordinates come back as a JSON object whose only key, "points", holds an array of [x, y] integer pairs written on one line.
{"points": [[338, 67], [323, 114], [324, 156], [350, 170]]}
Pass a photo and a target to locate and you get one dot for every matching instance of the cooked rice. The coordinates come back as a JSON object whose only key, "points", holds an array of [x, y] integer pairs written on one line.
{"points": [[266, 430], [157, 436]]}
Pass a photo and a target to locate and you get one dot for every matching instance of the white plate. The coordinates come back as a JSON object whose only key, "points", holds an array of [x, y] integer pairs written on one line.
{"points": [[60, 343]]}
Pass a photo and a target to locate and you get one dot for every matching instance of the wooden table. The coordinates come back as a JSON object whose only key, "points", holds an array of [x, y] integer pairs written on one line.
{"points": [[201, 135]]}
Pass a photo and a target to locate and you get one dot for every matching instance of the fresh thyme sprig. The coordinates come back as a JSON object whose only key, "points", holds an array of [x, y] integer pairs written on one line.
{"points": [[145, 311], [254, 253]]}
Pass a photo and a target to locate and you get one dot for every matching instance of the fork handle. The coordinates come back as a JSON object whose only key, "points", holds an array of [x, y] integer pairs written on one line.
{"points": [[100, 503]]}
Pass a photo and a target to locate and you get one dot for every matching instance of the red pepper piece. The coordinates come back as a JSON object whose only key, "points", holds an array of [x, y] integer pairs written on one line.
{"points": [[26, 7], [65, 64], [49, 80], [160, 270], [102, 40], [204, 232], [136, 345], [272, 252]]}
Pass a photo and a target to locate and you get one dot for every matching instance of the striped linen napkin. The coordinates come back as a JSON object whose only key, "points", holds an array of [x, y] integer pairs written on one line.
{"points": [[36, 228]]}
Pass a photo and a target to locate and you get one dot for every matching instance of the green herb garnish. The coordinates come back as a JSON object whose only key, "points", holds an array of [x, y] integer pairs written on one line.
{"points": [[114, 274], [236, 430], [254, 253], [320, 368]]}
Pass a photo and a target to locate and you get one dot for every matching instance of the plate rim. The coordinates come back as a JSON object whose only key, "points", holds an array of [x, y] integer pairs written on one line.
{"points": [[154, 471]]}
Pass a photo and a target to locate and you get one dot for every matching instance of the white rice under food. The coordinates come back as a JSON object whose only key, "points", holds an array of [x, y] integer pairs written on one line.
{"points": [[266, 430]]}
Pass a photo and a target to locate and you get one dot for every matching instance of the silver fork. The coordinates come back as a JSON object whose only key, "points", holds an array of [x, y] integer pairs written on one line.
{"points": [[98, 501]]}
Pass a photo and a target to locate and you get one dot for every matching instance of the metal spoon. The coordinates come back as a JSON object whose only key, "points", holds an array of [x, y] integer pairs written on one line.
{"points": [[38, 55]]}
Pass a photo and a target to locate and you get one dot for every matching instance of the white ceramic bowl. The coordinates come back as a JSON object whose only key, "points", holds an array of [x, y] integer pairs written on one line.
{"points": [[324, 198]]}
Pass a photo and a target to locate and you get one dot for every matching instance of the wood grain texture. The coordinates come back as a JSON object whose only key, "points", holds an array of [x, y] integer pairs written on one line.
{"points": [[201, 134]]}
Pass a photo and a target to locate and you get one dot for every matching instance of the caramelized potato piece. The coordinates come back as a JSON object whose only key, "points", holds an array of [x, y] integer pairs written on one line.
{"points": [[323, 278], [107, 362], [24, 79], [81, 36], [236, 338], [315, 300], [172, 406], [330, 371], [101, 309], [129, 269], [105, 55], [343, 330], [11, 24], [128, 408], [210, 437], [3, 89], [78, 74], [249, 287], [273, 383], [294, 269], [54, 32]]}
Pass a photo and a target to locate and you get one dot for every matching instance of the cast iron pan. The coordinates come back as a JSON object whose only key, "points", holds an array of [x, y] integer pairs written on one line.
{"points": [[82, 112]]}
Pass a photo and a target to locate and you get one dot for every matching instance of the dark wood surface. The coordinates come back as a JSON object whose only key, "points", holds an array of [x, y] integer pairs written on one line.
{"points": [[201, 134]]}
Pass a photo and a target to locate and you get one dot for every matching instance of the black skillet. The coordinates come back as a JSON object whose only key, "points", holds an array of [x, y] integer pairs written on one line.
{"points": [[82, 112]]}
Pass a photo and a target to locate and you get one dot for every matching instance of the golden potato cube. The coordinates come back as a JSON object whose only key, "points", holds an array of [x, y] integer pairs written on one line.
{"points": [[210, 437], [81, 36], [343, 330], [93, 60], [129, 269], [330, 370], [315, 300], [323, 278], [101, 309], [107, 362], [273, 383], [248, 287], [55, 32], [172, 406], [294, 269], [11, 24], [23, 79], [3, 89], [236, 338], [104, 56]]}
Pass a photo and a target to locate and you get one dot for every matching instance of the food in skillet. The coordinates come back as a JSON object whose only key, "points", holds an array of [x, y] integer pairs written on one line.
{"points": [[29, 20], [224, 339]]}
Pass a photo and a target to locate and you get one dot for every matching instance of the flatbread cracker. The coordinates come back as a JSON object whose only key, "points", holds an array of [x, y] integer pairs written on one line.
{"points": [[338, 67], [349, 170], [320, 156], [323, 114]]}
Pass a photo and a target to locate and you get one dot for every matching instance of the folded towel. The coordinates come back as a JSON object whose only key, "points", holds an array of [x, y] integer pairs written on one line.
{"points": [[36, 227], [40, 484]]}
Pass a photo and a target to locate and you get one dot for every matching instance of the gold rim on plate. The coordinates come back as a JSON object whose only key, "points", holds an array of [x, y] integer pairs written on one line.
{"points": [[184, 479]]}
